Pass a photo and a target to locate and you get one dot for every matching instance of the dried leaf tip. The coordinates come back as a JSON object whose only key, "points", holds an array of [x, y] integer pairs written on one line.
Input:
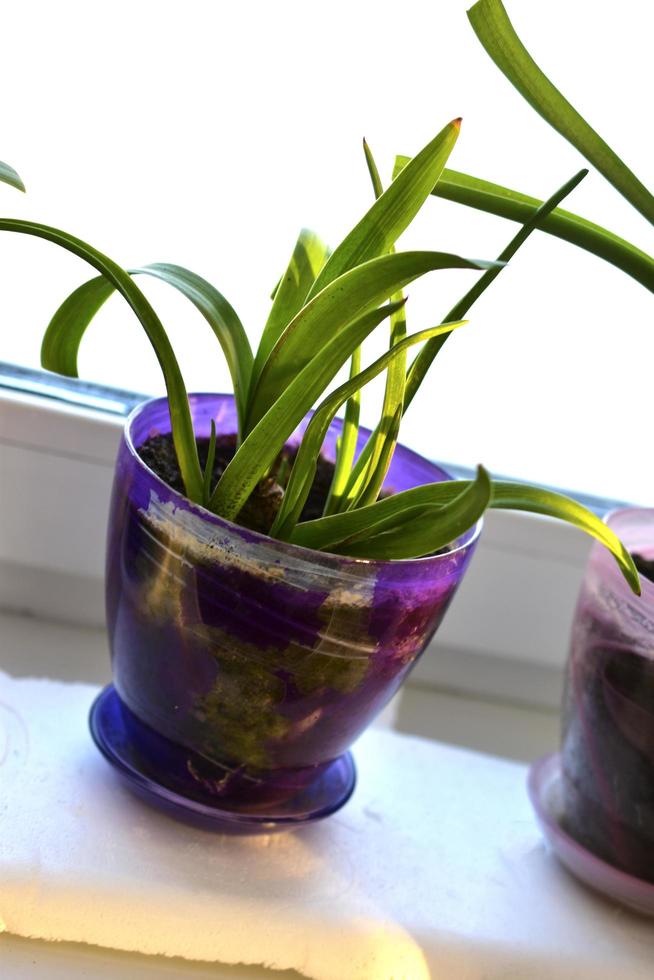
{"points": [[457, 122]]}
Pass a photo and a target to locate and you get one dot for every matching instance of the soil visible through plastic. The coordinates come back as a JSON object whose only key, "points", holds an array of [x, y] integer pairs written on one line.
{"points": [[645, 566]]}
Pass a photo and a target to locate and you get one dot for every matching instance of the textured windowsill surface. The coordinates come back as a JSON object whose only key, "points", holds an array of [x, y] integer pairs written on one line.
{"points": [[429, 881]]}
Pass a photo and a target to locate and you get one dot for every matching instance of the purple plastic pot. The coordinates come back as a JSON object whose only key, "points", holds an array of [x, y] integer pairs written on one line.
{"points": [[261, 662], [608, 728]]}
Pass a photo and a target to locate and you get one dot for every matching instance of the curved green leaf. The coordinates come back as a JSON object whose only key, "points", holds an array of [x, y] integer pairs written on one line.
{"points": [[290, 293], [492, 26], [180, 414], [263, 444], [221, 317], [66, 329], [425, 529], [393, 211], [343, 300], [9, 176], [304, 466], [515, 206], [423, 362], [425, 358], [326, 533], [63, 336]]}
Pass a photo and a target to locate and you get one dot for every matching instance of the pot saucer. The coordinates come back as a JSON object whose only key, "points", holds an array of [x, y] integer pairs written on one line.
{"points": [[165, 776], [546, 795]]}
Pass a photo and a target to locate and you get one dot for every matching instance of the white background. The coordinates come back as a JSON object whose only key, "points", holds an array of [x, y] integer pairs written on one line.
{"points": [[208, 133]]}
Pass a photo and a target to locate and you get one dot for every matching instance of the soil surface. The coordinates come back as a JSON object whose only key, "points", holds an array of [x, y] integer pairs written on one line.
{"points": [[258, 514]]}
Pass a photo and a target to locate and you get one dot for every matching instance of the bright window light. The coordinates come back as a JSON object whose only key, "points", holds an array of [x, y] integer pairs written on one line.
{"points": [[208, 133]]}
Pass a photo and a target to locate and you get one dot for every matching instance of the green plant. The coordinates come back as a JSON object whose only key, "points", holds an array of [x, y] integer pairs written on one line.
{"points": [[323, 308]]}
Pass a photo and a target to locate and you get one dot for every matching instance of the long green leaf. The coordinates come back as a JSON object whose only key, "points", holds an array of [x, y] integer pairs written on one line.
{"points": [[347, 442], [515, 206], [308, 258], [327, 533], [416, 374], [346, 446], [180, 414], [264, 443], [9, 176], [208, 469], [344, 299], [393, 212], [64, 334], [422, 363], [386, 433], [66, 329], [492, 26], [304, 466], [223, 320], [425, 529]]}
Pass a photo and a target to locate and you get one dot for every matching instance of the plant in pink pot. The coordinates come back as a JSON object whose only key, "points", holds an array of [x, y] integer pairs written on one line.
{"points": [[596, 800]]}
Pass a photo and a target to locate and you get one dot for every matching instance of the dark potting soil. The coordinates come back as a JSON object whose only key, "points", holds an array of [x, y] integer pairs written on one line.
{"points": [[645, 566], [258, 514]]}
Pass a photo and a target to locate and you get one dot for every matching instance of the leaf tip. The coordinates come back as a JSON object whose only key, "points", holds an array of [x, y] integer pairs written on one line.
{"points": [[457, 122], [633, 578]]}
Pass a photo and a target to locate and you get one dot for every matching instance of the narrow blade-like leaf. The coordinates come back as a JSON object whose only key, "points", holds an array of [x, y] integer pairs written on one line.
{"points": [[347, 443], [221, 317], [384, 438], [343, 300], [66, 329], [385, 441], [9, 176], [180, 413], [537, 500], [492, 26], [515, 206], [290, 293], [423, 362], [65, 332], [327, 532], [304, 467], [263, 444], [208, 469], [425, 529], [393, 212]]}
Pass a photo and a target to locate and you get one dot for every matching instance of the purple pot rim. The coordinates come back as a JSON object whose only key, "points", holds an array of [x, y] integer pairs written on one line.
{"points": [[469, 537]]}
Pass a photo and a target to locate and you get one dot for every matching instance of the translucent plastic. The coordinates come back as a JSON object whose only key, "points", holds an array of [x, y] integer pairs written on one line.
{"points": [[608, 726], [260, 657]]}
